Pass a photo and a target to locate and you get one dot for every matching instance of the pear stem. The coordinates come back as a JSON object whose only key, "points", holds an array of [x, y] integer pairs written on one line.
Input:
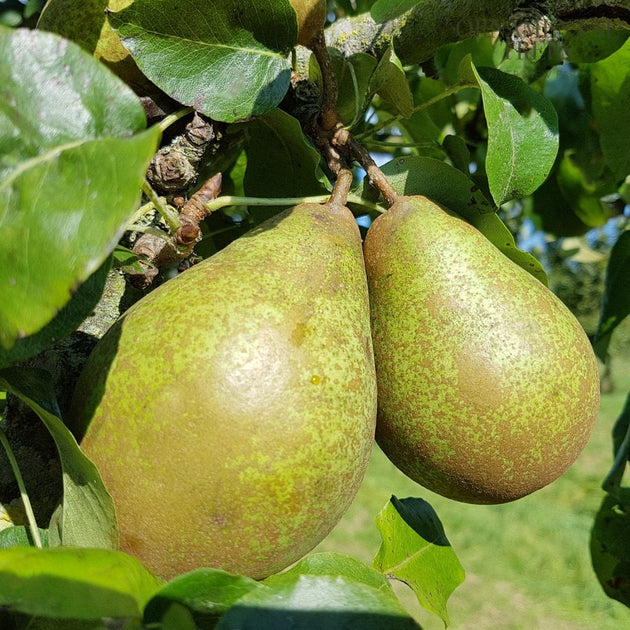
{"points": [[28, 509], [339, 196]]}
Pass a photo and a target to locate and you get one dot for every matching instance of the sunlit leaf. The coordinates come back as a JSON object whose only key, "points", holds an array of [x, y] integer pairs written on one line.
{"points": [[317, 602], [229, 59], [522, 135], [415, 549], [67, 583], [205, 593], [87, 516], [70, 173], [384, 10]]}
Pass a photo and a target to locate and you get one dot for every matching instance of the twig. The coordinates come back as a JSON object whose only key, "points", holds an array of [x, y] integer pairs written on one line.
{"points": [[329, 115]]}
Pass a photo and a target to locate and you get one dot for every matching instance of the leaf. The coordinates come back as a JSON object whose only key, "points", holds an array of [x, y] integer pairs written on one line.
{"points": [[20, 536], [205, 593], [610, 546], [610, 94], [522, 135], [87, 24], [87, 517], [588, 46], [616, 299], [353, 76], [228, 59], [333, 565], [280, 161], [317, 602], [621, 450], [70, 173], [415, 550], [390, 83], [454, 190], [69, 583], [385, 10], [69, 317]]}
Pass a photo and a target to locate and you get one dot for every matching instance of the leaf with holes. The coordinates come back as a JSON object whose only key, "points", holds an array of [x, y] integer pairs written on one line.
{"points": [[415, 550]]}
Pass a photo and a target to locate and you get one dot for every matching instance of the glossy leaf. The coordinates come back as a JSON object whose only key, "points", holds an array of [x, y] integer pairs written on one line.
{"points": [[67, 583], [317, 602], [522, 135], [390, 83], [333, 564], [68, 319], [610, 94], [616, 300], [610, 546], [87, 516], [451, 188], [415, 549], [205, 593], [228, 59], [87, 24], [70, 173]]}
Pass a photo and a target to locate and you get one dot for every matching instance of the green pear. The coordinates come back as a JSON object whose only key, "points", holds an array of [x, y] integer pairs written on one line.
{"points": [[231, 412], [487, 385]]}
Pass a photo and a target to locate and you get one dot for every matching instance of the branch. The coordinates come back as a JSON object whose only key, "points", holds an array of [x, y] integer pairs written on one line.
{"points": [[418, 33]]}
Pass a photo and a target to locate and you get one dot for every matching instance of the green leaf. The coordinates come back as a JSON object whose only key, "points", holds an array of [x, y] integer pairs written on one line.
{"points": [[616, 300], [583, 46], [73, 583], [228, 59], [415, 550], [522, 135], [333, 564], [281, 162], [610, 94], [87, 516], [353, 76], [610, 546], [583, 197], [385, 10], [20, 536], [390, 83], [70, 173], [454, 190], [317, 602], [69, 317], [621, 450], [205, 593], [458, 152]]}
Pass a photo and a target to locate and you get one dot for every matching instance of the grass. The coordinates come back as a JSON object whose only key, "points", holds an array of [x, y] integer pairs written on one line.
{"points": [[527, 563]]}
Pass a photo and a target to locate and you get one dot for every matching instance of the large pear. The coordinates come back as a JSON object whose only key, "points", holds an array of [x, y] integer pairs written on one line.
{"points": [[487, 384], [231, 411]]}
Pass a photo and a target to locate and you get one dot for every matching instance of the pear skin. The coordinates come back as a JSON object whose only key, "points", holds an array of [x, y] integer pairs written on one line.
{"points": [[487, 384], [231, 412]]}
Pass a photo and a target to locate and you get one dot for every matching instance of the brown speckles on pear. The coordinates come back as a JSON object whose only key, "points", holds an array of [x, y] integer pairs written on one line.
{"points": [[488, 387], [241, 397]]}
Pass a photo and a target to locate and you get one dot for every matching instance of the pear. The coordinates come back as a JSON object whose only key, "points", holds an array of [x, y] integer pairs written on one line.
{"points": [[311, 15], [487, 385], [231, 412]]}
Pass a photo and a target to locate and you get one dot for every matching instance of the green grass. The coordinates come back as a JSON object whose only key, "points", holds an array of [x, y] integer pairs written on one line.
{"points": [[527, 563]]}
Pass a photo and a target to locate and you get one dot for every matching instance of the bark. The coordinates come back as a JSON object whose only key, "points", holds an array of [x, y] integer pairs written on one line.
{"points": [[417, 34]]}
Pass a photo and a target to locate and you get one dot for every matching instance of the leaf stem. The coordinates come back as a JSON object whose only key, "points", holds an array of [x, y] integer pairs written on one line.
{"points": [[167, 121], [418, 108], [28, 509], [235, 200], [170, 216]]}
